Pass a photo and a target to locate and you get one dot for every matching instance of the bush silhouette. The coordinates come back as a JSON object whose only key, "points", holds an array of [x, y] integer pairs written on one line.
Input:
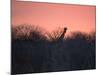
{"points": [[57, 34], [27, 32]]}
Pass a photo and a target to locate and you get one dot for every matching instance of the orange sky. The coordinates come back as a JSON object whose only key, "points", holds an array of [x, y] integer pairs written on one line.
{"points": [[50, 16]]}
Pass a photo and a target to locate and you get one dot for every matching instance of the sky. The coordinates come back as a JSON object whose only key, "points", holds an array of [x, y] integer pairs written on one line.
{"points": [[51, 16]]}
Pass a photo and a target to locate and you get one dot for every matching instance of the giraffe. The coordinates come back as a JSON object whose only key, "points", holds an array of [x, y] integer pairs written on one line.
{"points": [[63, 34], [56, 51]]}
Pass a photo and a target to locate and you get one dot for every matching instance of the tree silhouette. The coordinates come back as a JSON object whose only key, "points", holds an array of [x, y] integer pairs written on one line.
{"points": [[57, 35]]}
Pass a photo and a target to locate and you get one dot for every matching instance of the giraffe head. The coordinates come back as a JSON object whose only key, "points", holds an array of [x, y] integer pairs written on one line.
{"points": [[65, 28]]}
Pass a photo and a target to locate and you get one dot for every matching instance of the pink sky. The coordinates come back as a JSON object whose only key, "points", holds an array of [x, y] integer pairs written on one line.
{"points": [[50, 15]]}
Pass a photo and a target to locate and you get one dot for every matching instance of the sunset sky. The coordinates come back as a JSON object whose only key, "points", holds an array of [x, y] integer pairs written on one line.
{"points": [[50, 16]]}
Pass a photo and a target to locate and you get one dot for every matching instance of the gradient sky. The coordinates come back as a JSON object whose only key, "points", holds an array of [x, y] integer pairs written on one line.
{"points": [[51, 16]]}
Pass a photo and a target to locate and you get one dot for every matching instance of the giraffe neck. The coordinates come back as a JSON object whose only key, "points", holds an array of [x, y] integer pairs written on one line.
{"points": [[62, 35]]}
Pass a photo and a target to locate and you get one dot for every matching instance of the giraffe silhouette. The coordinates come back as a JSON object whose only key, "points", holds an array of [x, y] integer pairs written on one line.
{"points": [[63, 34]]}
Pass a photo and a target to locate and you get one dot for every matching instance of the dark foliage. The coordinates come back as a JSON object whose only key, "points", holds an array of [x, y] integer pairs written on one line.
{"points": [[33, 52]]}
